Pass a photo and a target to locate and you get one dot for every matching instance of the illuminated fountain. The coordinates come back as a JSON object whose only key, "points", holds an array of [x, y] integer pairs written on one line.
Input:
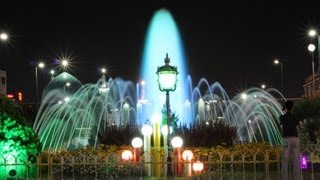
{"points": [[71, 114], [72, 119]]}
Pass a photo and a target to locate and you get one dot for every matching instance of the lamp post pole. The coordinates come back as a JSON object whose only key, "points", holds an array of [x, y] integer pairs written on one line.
{"points": [[311, 49], [40, 65], [276, 61], [167, 81], [36, 73], [168, 115], [313, 78], [282, 86]]}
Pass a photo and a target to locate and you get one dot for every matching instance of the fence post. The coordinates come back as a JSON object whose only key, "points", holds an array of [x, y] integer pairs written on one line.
{"points": [[220, 157], [232, 163], [266, 162]]}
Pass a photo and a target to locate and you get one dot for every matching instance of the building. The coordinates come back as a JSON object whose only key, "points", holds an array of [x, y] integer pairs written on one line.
{"points": [[309, 91], [3, 82]]}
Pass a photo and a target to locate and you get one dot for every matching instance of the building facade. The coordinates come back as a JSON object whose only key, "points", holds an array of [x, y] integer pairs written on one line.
{"points": [[311, 86], [3, 82]]}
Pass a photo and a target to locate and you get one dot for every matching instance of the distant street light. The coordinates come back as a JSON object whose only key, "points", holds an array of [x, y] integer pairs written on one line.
{"points": [[312, 33], [103, 70], [41, 66], [4, 36], [64, 64], [244, 96], [263, 86], [311, 49]]}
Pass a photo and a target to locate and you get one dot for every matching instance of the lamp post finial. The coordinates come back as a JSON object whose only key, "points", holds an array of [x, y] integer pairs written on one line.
{"points": [[167, 59]]}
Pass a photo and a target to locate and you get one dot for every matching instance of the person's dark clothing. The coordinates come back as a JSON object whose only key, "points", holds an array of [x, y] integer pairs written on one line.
{"points": [[289, 125]]}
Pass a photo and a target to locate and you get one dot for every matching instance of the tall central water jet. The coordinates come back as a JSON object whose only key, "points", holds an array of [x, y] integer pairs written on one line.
{"points": [[163, 37]]}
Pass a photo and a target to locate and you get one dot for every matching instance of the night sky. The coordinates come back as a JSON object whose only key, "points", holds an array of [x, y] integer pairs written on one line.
{"points": [[232, 43]]}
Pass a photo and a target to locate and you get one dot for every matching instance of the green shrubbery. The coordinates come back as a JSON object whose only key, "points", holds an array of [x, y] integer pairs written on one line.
{"points": [[308, 112], [212, 134]]}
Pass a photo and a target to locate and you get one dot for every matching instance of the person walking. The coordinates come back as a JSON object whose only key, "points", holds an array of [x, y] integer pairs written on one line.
{"points": [[290, 143]]}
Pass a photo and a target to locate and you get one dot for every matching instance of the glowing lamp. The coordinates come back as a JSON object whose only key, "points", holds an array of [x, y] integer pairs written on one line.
{"points": [[312, 33], [103, 70], [20, 96], [303, 162], [10, 96], [177, 142], [64, 63], [187, 155], [3, 36], [146, 130], [244, 96], [164, 130], [126, 155], [41, 65], [136, 142], [66, 99], [311, 47], [197, 167], [156, 118], [167, 76]]}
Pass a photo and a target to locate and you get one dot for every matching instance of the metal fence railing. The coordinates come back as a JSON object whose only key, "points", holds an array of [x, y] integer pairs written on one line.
{"points": [[260, 163]]}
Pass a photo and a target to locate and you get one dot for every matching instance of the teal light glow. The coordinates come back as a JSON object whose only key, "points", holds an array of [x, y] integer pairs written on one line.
{"points": [[163, 37]]}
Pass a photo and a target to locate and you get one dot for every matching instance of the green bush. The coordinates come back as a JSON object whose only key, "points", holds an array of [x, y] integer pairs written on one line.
{"points": [[213, 134]]}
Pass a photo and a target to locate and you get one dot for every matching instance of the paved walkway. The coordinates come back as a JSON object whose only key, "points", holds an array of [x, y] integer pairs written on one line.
{"points": [[271, 176]]}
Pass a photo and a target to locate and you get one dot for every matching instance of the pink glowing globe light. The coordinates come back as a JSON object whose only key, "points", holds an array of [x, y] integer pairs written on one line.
{"points": [[303, 162]]}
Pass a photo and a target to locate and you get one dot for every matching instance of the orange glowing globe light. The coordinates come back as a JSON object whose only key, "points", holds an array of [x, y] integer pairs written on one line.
{"points": [[197, 167], [187, 155], [126, 155]]}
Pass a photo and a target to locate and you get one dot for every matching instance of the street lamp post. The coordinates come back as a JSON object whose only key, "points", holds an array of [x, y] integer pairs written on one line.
{"points": [[52, 74], [276, 61], [167, 81], [40, 65], [314, 34], [311, 49], [64, 87]]}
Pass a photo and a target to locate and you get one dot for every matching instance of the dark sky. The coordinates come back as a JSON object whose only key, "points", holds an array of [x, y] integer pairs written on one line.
{"points": [[232, 43]]}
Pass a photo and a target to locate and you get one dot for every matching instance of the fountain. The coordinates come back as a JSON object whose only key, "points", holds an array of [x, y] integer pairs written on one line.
{"points": [[71, 114]]}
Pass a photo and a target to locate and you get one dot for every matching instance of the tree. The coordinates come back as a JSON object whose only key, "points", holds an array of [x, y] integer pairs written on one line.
{"points": [[22, 113], [308, 112], [19, 144], [173, 118], [10, 107]]}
